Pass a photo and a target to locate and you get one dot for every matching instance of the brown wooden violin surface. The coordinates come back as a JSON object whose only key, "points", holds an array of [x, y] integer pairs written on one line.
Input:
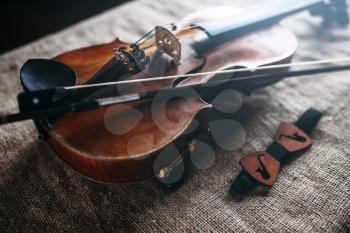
{"points": [[121, 143]]}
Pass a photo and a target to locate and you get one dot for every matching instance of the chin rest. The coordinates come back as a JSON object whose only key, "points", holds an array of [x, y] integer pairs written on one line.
{"points": [[39, 74]]}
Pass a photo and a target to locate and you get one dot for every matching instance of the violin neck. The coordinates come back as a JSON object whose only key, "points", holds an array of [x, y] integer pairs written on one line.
{"points": [[220, 31]]}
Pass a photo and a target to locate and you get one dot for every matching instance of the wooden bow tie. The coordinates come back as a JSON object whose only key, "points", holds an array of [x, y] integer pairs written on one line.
{"points": [[263, 167]]}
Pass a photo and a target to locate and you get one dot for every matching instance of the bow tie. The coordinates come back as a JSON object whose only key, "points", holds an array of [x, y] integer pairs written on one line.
{"points": [[263, 167]]}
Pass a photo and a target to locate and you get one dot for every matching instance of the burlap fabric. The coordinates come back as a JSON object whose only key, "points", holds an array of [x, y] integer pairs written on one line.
{"points": [[39, 193]]}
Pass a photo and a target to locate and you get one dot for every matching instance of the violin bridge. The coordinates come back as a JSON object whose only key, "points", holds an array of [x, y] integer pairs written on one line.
{"points": [[168, 43]]}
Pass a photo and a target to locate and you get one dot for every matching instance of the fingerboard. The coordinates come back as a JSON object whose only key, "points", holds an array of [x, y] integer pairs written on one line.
{"points": [[230, 27]]}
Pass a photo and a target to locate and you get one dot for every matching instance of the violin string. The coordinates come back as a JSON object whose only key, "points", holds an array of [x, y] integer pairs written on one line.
{"points": [[228, 71], [149, 35], [174, 27]]}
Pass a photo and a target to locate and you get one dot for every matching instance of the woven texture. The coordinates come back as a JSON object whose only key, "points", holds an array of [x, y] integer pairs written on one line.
{"points": [[40, 193]]}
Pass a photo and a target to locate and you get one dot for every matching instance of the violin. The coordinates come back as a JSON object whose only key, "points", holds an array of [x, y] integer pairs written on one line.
{"points": [[115, 112]]}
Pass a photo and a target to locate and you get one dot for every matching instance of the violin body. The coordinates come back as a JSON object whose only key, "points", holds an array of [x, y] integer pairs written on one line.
{"points": [[122, 143]]}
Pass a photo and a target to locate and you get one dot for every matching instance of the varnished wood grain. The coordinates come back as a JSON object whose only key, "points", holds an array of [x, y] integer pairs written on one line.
{"points": [[88, 142]]}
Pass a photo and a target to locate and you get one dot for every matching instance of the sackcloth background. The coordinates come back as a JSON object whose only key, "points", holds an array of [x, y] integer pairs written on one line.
{"points": [[39, 193]]}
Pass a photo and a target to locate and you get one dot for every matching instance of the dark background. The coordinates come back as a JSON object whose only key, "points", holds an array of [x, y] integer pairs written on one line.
{"points": [[23, 21]]}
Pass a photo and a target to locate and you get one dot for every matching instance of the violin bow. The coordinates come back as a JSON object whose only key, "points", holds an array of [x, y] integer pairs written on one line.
{"points": [[38, 104]]}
